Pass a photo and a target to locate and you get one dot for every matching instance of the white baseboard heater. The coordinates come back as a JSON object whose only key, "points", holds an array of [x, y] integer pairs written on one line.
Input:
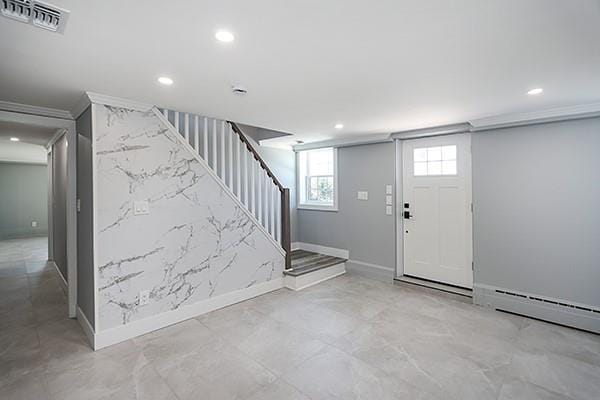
{"points": [[580, 316]]}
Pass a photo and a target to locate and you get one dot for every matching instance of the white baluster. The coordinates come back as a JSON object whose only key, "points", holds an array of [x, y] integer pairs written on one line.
{"points": [[230, 154], [186, 127], [222, 142], [214, 146], [177, 121], [260, 205], [252, 183], [239, 166], [246, 177], [166, 113], [272, 194], [278, 214], [196, 137], [205, 140], [267, 200]]}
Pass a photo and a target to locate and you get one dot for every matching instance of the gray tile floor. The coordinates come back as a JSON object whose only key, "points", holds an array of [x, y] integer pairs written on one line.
{"points": [[348, 338]]}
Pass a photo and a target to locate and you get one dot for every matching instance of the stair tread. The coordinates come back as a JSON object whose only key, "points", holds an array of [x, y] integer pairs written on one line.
{"points": [[304, 262]]}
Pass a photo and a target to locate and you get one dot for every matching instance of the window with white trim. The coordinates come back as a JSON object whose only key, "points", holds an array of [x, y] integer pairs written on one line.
{"points": [[435, 161], [317, 179]]}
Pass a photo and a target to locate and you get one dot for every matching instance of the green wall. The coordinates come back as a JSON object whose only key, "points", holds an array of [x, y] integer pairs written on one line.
{"points": [[23, 199]]}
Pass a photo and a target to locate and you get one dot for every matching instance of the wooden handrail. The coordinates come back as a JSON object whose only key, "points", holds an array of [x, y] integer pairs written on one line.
{"points": [[257, 156], [286, 242]]}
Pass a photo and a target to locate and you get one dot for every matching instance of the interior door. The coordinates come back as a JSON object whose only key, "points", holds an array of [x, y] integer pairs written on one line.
{"points": [[436, 209]]}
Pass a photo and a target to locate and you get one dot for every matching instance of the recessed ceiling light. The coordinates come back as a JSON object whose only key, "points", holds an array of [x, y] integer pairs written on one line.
{"points": [[339, 126], [224, 36], [165, 80], [535, 91], [14, 139]]}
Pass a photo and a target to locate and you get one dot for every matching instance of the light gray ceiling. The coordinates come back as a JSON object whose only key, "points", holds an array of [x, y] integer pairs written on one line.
{"points": [[376, 66]]}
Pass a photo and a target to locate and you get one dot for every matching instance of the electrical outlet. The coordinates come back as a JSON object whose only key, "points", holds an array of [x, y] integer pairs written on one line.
{"points": [[362, 195], [144, 297], [141, 207], [388, 189], [34, 224]]}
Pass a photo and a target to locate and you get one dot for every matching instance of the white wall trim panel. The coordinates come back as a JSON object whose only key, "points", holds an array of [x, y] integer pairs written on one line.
{"points": [[61, 280], [86, 327], [117, 102], [136, 328]]}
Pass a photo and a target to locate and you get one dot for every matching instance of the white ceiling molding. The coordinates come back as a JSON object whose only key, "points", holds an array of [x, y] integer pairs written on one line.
{"points": [[82, 105], [433, 131], [345, 142], [117, 102], [34, 110], [536, 117]]}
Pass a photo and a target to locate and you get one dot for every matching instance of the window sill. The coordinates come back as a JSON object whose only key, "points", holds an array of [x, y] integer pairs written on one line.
{"points": [[316, 207]]}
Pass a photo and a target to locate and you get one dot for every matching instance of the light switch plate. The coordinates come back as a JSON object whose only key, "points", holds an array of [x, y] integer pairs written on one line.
{"points": [[141, 208], [388, 210], [388, 200], [361, 195], [144, 297], [78, 205], [388, 189], [34, 224]]}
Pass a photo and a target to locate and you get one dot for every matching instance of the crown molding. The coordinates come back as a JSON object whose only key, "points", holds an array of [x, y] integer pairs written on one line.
{"points": [[98, 98], [433, 131], [34, 110], [345, 142], [536, 117], [82, 105]]}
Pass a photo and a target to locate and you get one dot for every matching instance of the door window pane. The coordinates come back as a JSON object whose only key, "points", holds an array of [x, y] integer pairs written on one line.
{"points": [[436, 160]]}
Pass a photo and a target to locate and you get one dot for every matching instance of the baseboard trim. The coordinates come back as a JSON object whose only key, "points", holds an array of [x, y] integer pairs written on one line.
{"points": [[125, 332], [86, 326], [544, 308], [328, 251], [62, 280], [435, 285], [313, 278], [373, 271]]}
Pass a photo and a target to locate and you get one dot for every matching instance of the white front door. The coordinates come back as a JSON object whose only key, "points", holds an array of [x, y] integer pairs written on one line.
{"points": [[436, 209]]}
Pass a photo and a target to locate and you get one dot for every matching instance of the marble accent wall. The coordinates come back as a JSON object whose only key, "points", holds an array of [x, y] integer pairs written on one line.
{"points": [[196, 242]]}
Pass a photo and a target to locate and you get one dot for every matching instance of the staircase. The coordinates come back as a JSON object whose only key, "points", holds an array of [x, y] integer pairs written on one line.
{"points": [[225, 149]]}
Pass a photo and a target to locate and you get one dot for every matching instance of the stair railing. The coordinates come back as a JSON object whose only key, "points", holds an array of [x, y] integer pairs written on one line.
{"points": [[233, 158]]}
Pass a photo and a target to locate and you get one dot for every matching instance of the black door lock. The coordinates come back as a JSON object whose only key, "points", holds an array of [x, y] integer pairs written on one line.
{"points": [[407, 215]]}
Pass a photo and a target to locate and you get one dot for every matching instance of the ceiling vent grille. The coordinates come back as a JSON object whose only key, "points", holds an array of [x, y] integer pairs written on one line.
{"points": [[36, 13]]}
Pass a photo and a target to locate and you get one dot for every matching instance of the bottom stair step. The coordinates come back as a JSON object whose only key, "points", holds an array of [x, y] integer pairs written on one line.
{"points": [[310, 268]]}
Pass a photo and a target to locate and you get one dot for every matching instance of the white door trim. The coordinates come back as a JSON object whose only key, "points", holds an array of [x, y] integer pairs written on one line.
{"points": [[399, 223]]}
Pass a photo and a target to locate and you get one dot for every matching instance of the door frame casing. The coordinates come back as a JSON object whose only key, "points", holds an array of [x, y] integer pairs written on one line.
{"points": [[27, 115], [399, 223]]}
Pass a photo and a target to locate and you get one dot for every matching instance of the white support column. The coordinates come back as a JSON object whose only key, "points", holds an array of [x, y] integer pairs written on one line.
{"points": [[186, 127], [222, 161], [214, 146], [196, 135], [205, 140], [239, 165], [230, 154], [177, 121]]}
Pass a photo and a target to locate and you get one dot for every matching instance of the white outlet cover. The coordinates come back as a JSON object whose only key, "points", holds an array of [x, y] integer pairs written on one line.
{"points": [[362, 195], [388, 200], [144, 297], [388, 210], [141, 207], [388, 189], [34, 224]]}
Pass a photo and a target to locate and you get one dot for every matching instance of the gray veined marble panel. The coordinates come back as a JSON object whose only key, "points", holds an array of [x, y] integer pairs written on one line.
{"points": [[196, 242]]}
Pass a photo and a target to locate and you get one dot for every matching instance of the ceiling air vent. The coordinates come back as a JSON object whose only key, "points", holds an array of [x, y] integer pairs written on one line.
{"points": [[36, 13]]}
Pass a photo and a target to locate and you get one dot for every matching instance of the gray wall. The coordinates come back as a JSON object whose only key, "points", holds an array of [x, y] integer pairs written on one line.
{"points": [[23, 199], [59, 204], [536, 195], [85, 244], [362, 227]]}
